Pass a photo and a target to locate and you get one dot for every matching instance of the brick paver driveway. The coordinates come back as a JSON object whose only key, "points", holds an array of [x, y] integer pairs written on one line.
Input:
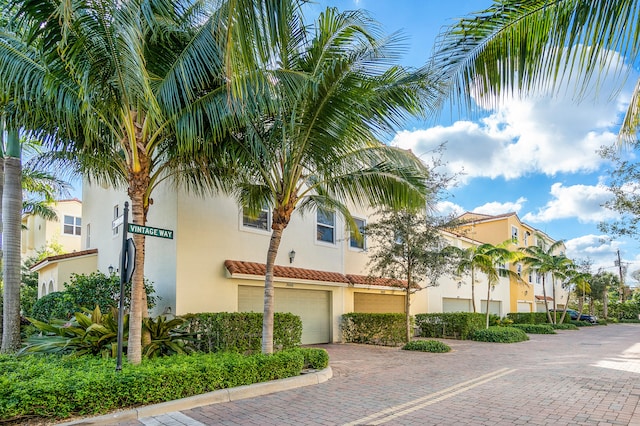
{"points": [[586, 377]]}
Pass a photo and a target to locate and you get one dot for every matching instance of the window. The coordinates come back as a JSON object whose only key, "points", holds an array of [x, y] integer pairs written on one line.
{"points": [[262, 221], [354, 242], [326, 225], [526, 238], [72, 225], [88, 235], [116, 214], [514, 234], [519, 269], [502, 270], [538, 278], [530, 277]]}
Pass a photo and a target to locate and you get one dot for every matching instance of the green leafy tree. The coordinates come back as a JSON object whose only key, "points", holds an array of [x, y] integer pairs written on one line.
{"points": [[546, 262], [317, 146], [526, 46], [136, 93], [408, 248], [600, 285]]}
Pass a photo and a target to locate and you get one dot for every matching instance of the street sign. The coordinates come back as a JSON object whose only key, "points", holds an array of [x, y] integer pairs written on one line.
{"points": [[117, 222], [150, 231]]}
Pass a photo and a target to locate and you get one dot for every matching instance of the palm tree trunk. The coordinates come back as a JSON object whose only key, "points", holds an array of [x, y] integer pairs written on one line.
{"points": [[546, 303], [11, 227], [473, 289], [138, 302], [407, 306], [488, 298], [555, 308], [267, 319], [1, 192]]}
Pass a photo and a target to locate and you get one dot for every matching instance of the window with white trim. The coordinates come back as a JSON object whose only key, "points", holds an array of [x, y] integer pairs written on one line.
{"points": [[72, 225], [88, 241], [354, 241], [116, 214], [514, 234], [502, 270], [526, 238], [261, 222], [519, 269], [326, 226]]}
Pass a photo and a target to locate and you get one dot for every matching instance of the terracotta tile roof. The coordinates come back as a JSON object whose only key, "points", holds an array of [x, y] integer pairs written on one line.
{"points": [[66, 256], [550, 299], [255, 268]]}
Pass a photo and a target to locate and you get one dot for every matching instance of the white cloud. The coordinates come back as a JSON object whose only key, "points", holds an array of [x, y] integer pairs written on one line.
{"points": [[446, 208], [583, 202], [537, 134], [496, 208]]}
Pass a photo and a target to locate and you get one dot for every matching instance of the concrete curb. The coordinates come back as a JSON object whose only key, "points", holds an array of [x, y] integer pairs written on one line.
{"points": [[215, 397]]}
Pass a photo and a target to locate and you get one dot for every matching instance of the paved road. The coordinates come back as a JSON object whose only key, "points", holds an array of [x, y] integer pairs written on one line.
{"points": [[586, 377]]}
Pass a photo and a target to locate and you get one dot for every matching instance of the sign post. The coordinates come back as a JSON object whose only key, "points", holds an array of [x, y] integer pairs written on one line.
{"points": [[124, 261]]}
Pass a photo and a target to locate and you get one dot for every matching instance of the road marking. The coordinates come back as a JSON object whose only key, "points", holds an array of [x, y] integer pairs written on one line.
{"points": [[401, 409]]}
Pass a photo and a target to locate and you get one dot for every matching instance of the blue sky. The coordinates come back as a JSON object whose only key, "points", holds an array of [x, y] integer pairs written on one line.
{"points": [[536, 156]]}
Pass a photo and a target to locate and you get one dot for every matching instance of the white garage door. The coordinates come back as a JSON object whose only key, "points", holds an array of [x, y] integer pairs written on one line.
{"points": [[524, 307], [312, 306], [456, 305], [378, 303], [494, 307]]}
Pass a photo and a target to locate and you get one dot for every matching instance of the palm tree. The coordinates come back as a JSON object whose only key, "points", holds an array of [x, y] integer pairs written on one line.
{"points": [[523, 45], [136, 93], [546, 262], [489, 260], [316, 147], [580, 281]]}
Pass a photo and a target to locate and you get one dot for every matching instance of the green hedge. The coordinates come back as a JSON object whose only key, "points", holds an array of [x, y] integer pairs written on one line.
{"points": [[528, 317], [535, 328], [54, 387], [565, 326], [374, 329], [427, 346], [500, 335], [241, 331], [457, 325]]}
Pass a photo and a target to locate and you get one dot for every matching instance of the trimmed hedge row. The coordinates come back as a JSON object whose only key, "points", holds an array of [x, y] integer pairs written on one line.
{"points": [[500, 335], [241, 331], [58, 387], [528, 317], [458, 325], [434, 346], [374, 329], [535, 328]]}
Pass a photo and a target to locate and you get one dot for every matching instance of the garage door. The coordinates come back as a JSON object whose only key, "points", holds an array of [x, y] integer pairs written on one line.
{"points": [[378, 303], [494, 307], [456, 305], [524, 307], [312, 306]]}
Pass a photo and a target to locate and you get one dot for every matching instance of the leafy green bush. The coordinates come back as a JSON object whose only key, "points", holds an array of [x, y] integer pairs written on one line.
{"points": [[535, 328], [86, 291], [581, 323], [627, 321], [604, 321], [89, 333], [166, 339], [240, 331], [315, 358], [427, 346], [528, 317], [374, 329], [457, 325], [564, 326], [500, 335], [56, 387]]}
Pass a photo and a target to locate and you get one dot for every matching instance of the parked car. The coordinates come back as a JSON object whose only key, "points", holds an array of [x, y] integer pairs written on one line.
{"points": [[576, 316]]}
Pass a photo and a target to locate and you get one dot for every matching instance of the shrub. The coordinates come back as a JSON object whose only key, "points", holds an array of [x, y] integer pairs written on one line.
{"points": [[314, 358], [528, 317], [564, 326], [626, 321], [374, 329], [427, 346], [166, 339], [535, 328], [240, 331], [56, 387], [457, 325], [500, 335], [86, 291], [581, 323]]}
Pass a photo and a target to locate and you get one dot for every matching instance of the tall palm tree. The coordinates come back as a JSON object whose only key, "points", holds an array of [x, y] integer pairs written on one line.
{"points": [[579, 280], [317, 146], [135, 93], [488, 260], [546, 262], [517, 45]]}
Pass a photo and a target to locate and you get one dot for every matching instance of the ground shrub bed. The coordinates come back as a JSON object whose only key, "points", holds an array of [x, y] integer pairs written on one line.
{"points": [[535, 328], [528, 317], [564, 326], [427, 346], [56, 387], [581, 323], [500, 335]]}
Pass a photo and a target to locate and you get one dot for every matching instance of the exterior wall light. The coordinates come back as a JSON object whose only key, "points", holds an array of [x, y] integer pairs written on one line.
{"points": [[110, 268], [292, 256]]}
